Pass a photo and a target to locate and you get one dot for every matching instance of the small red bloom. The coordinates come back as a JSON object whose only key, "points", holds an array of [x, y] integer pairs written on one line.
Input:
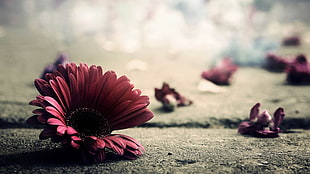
{"points": [[262, 125], [62, 59], [298, 71], [80, 107], [222, 73], [276, 63], [170, 98]]}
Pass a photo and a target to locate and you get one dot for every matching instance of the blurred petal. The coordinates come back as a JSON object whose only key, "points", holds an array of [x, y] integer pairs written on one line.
{"points": [[278, 117], [254, 112]]}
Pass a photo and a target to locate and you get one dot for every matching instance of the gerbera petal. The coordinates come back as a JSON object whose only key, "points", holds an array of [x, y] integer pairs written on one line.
{"points": [[39, 111], [47, 133], [92, 148], [74, 144], [50, 76], [130, 156], [55, 121], [134, 106], [132, 147], [80, 84], [100, 156], [76, 138], [114, 97], [65, 91], [59, 94], [120, 151], [132, 119], [92, 89], [61, 130], [54, 103], [43, 118], [107, 83], [38, 102], [43, 87], [129, 138], [100, 143], [61, 72], [33, 120], [71, 68], [74, 92], [71, 131], [55, 113]]}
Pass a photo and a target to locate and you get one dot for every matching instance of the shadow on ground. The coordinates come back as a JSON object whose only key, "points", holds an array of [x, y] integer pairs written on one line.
{"points": [[60, 157]]}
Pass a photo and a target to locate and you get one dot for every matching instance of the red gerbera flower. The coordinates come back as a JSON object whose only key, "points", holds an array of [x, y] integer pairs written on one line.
{"points": [[81, 106]]}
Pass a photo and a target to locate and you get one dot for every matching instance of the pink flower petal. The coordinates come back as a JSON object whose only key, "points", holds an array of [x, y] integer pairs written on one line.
{"points": [[129, 138], [76, 138], [61, 130], [65, 91], [254, 112], [100, 156], [53, 111], [131, 119], [74, 92], [55, 121], [111, 143], [100, 143], [33, 120], [75, 145], [43, 87], [54, 103], [39, 111], [43, 118], [71, 131], [278, 117], [47, 133], [58, 93]]}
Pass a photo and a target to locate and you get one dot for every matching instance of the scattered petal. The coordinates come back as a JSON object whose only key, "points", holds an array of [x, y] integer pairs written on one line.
{"points": [[276, 63], [291, 41], [170, 98], [222, 73], [298, 72], [262, 125]]}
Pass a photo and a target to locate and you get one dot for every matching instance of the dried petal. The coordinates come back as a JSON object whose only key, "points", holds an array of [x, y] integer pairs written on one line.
{"points": [[170, 98]]}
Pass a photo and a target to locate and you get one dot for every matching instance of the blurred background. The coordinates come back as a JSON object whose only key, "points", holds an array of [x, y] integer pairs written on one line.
{"points": [[156, 41], [214, 28]]}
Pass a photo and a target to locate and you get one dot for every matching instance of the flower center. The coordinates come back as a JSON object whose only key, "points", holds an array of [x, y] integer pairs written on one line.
{"points": [[88, 122]]}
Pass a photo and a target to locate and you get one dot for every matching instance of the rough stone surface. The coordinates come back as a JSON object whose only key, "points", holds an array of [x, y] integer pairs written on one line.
{"points": [[189, 140]]}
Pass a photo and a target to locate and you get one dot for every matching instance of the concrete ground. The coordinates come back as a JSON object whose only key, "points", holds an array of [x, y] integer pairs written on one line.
{"points": [[168, 150], [201, 138]]}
